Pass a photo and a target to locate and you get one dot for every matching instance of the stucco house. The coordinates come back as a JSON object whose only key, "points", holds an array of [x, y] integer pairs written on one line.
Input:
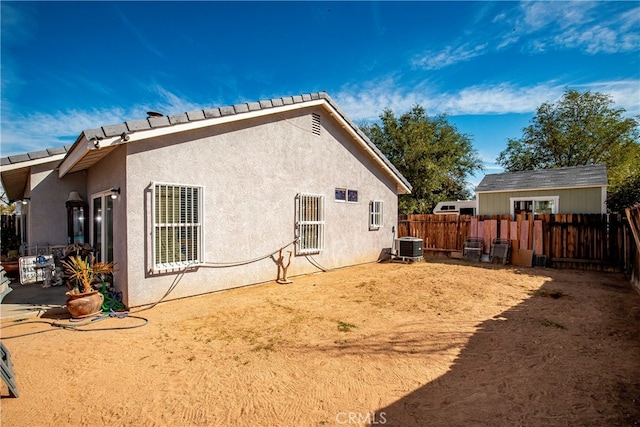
{"points": [[578, 189], [196, 202]]}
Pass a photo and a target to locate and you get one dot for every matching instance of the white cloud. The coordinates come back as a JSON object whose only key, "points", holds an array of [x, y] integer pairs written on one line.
{"points": [[625, 93], [38, 131], [496, 99], [593, 27], [449, 55], [171, 103], [541, 15], [367, 102], [142, 38], [18, 24]]}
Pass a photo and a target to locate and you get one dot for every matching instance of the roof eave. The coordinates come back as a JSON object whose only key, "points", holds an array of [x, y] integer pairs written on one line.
{"points": [[88, 146], [15, 176]]}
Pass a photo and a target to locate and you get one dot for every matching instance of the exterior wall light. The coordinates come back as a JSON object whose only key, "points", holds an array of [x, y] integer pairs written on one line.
{"points": [[115, 192]]}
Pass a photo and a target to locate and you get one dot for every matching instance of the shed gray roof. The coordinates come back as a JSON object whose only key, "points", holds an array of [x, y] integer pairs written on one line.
{"points": [[570, 177]]}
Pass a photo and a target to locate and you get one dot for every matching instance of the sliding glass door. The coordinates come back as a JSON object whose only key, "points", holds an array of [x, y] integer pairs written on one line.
{"points": [[102, 232]]}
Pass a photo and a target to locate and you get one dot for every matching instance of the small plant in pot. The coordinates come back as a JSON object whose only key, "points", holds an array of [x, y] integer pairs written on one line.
{"points": [[83, 300], [9, 254]]}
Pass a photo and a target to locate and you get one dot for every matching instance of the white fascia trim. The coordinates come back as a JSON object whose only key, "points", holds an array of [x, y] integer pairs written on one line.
{"points": [[74, 156], [555, 199], [30, 163]]}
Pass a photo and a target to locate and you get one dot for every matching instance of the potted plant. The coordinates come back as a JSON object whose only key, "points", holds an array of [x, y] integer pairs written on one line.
{"points": [[10, 253], [83, 300]]}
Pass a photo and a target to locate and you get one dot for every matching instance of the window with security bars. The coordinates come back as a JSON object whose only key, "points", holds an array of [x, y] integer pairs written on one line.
{"points": [[375, 214], [309, 223], [177, 226]]}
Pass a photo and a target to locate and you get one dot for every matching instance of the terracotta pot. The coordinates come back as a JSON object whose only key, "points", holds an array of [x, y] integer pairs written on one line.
{"points": [[11, 267], [83, 305]]}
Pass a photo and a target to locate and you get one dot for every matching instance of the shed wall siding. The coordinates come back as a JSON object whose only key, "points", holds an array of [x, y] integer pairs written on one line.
{"points": [[251, 172], [578, 200]]}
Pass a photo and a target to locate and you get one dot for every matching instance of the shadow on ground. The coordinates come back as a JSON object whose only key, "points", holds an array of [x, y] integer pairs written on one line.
{"points": [[33, 300], [568, 355]]}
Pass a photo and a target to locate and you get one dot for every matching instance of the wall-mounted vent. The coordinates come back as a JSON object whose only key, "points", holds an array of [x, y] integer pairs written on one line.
{"points": [[315, 124]]}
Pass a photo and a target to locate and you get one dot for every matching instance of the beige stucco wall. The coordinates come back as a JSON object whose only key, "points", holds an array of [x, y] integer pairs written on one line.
{"points": [[251, 172], [46, 211], [577, 200]]}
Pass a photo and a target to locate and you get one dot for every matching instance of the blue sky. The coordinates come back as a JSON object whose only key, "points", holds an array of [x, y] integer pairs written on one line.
{"points": [[69, 66]]}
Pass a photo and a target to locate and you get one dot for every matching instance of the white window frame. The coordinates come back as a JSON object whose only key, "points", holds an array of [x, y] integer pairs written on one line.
{"points": [[554, 199], [310, 223], [347, 193], [177, 254], [100, 221], [376, 208]]}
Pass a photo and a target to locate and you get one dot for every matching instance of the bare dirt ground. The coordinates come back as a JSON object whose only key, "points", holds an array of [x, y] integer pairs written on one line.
{"points": [[438, 343]]}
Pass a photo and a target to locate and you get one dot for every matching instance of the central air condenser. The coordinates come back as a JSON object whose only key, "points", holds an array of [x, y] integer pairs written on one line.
{"points": [[408, 247]]}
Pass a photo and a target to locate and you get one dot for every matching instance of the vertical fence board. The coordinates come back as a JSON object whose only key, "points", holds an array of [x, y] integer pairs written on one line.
{"points": [[591, 241], [513, 230], [537, 237], [504, 229], [524, 234], [474, 227]]}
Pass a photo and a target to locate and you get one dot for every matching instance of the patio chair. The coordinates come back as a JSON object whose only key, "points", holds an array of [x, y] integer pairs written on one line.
{"points": [[500, 251], [472, 249]]}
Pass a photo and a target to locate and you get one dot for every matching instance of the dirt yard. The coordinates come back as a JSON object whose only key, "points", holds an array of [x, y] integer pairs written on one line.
{"points": [[438, 343]]}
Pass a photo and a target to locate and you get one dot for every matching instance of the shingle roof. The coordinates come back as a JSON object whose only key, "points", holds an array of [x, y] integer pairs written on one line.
{"points": [[169, 120], [193, 116], [34, 155], [155, 122], [569, 177]]}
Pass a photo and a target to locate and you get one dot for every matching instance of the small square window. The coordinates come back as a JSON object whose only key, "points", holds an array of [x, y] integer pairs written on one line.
{"points": [[352, 196], [341, 194]]}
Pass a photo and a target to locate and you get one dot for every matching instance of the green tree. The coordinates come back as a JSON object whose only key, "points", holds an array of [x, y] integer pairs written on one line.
{"points": [[625, 194], [430, 152], [582, 128], [6, 208]]}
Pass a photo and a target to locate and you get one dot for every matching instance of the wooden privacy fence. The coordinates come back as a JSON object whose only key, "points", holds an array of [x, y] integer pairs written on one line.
{"points": [[633, 216], [584, 241]]}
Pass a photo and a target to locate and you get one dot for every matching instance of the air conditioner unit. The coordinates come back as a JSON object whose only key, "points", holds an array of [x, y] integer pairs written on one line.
{"points": [[408, 247]]}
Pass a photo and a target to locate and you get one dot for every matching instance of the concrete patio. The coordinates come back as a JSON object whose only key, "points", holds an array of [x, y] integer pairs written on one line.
{"points": [[32, 300]]}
